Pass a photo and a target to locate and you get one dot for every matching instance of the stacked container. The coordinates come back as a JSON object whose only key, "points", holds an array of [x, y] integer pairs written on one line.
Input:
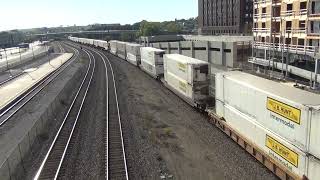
{"points": [[152, 61], [281, 120], [133, 53], [187, 76], [121, 49], [100, 43], [113, 47]]}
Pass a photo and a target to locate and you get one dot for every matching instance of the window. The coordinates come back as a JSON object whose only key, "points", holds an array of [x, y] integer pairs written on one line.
{"points": [[288, 40], [288, 25], [289, 7], [302, 24], [301, 42], [263, 39], [263, 25], [303, 5], [227, 50], [264, 10]]}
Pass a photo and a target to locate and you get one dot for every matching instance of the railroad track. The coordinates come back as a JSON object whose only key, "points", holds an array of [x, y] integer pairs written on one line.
{"points": [[52, 163], [11, 109], [116, 165], [10, 79], [115, 157]]}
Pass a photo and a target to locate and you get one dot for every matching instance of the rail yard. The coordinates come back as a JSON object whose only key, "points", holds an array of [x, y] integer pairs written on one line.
{"points": [[233, 93]]}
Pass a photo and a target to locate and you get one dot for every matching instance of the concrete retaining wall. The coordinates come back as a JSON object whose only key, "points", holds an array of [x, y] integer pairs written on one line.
{"points": [[14, 162], [215, 52]]}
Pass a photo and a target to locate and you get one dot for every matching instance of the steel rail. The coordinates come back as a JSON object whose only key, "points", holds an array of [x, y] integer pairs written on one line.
{"points": [[10, 79], [105, 58], [50, 151]]}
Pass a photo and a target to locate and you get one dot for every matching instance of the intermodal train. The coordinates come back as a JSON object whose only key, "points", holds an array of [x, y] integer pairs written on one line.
{"points": [[275, 122]]}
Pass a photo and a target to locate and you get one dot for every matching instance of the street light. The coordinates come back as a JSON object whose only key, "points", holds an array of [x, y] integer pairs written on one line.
{"points": [[8, 68]]}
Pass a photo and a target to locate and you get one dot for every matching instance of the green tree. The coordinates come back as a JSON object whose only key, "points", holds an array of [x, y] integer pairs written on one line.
{"points": [[149, 28], [173, 27]]}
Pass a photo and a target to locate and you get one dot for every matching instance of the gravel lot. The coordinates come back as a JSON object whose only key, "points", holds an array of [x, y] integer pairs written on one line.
{"points": [[166, 138]]}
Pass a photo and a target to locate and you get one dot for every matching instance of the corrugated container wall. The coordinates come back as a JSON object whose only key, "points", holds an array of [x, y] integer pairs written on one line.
{"points": [[121, 49], [291, 113], [279, 149], [152, 60], [133, 53], [189, 69], [187, 76], [113, 47]]}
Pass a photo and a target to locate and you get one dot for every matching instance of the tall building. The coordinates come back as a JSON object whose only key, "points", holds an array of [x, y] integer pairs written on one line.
{"points": [[287, 32], [225, 17]]}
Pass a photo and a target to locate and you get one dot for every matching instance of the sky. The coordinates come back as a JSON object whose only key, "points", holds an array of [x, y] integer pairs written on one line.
{"points": [[22, 14]]}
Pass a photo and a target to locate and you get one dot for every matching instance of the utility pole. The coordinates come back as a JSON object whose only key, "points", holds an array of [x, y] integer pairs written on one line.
{"points": [[32, 52], [315, 85], [287, 60], [20, 56], [5, 53]]}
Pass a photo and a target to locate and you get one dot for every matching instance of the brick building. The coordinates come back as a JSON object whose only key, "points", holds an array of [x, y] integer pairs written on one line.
{"points": [[218, 17]]}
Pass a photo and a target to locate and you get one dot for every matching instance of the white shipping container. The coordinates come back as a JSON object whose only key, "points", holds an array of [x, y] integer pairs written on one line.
{"points": [[314, 168], [195, 94], [133, 53], [152, 60], [113, 47], [270, 143], [189, 69], [292, 113], [133, 59], [133, 49], [121, 49], [101, 44], [155, 71]]}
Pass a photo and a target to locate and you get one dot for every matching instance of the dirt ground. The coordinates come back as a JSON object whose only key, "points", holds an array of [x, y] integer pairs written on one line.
{"points": [[168, 139]]}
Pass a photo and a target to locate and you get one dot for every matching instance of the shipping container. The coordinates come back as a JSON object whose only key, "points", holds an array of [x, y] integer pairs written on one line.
{"points": [[101, 44], [121, 49], [196, 95], [191, 70], [271, 144], [133, 53], [291, 113], [152, 61], [113, 47]]}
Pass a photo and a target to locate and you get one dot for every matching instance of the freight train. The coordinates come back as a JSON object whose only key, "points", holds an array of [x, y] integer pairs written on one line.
{"points": [[275, 122]]}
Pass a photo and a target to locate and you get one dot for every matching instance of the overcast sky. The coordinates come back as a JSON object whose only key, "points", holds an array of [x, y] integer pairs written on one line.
{"points": [[21, 14]]}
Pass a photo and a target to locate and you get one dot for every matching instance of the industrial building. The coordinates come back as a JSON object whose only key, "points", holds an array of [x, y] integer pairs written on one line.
{"points": [[287, 34], [218, 17]]}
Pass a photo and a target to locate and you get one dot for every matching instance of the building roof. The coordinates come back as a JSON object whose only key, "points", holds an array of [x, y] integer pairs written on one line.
{"points": [[218, 38], [282, 91], [185, 59]]}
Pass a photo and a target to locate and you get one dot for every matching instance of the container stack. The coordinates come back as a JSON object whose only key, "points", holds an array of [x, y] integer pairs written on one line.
{"points": [[133, 53], [152, 61], [113, 47], [121, 49], [101, 44], [282, 121], [188, 76]]}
